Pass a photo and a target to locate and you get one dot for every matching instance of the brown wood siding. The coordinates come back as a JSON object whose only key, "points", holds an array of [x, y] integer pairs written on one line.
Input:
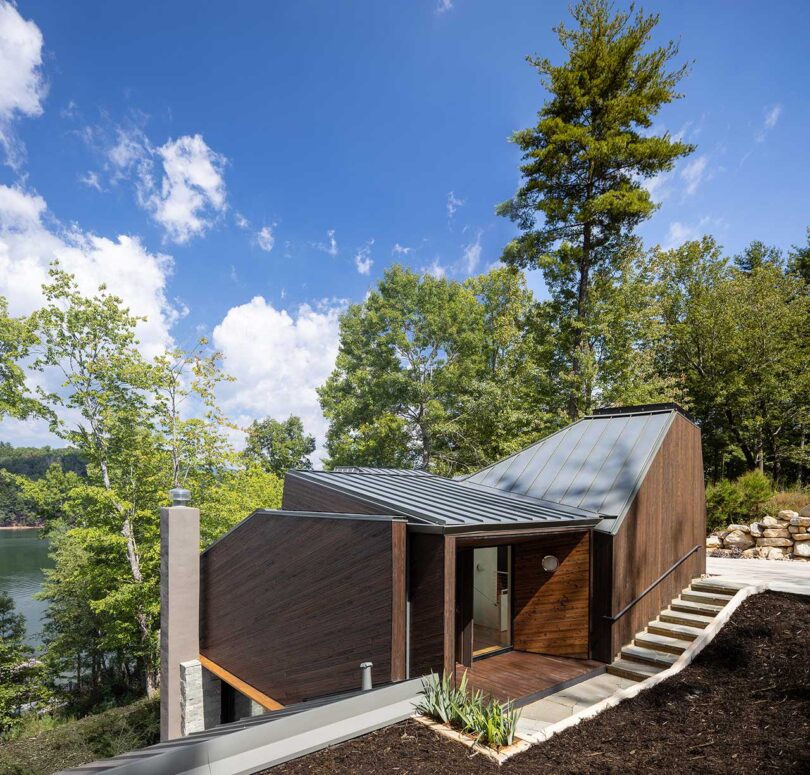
{"points": [[666, 519], [551, 610], [399, 545], [301, 495], [426, 569], [293, 605], [449, 604]]}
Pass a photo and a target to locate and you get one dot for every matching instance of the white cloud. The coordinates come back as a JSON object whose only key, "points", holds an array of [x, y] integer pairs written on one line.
{"points": [[658, 186], [91, 180], [771, 119], [453, 203], [694, 173], [330, 247], [443, 6], [192, 190], [400, 250], [279, 360], [679, 233], [241, 221], [472, 254], [362, 259], [28, 244], [434, 269], [265, 238], [22, 87]]}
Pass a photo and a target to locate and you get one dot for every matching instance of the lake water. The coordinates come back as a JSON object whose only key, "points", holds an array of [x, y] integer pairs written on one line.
{"points": [[23, 556]]}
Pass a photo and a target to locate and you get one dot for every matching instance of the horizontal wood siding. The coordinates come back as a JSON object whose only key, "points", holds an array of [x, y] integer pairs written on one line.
{"points": [[301, 495], [293, 605], [551, 610], [666, 519], [426, 561]]}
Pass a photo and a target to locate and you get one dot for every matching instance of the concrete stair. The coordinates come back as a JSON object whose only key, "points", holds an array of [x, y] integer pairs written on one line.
{"points": [[663, 640]]}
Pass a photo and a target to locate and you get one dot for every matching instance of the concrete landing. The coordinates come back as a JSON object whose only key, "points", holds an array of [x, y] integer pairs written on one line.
{"points": [[783, 575], [541, 714]]}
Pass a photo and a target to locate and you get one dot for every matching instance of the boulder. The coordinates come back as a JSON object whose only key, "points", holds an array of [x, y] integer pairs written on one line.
{"points": [[802, 549], [741, 528], [769, 521], [774, 542], [805, 512], [751, 554], [755, 529], [736, 539], [787, 515], [714, 542], [777, 553], [798, 521], [801, 537], [776, 532]]}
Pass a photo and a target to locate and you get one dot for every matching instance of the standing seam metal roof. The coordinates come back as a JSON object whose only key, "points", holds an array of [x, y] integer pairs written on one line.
{"points": [[597, 463], [432, 499]]}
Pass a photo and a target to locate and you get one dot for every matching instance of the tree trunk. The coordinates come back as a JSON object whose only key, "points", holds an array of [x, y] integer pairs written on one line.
{"points": [[578, 340]]}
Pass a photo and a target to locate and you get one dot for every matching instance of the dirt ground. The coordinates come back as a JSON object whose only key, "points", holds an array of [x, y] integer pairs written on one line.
{"points": [[743, 706]]}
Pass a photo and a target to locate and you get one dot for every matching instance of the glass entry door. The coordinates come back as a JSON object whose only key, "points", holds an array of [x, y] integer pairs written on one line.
{"points": [[492, 610]]}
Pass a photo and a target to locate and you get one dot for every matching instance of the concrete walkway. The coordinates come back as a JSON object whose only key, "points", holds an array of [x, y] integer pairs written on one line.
{"points": [[536, 716], [785, 575]]}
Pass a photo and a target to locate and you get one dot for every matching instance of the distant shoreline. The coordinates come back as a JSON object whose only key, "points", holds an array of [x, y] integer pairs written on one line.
{"points": [[21, 527]]}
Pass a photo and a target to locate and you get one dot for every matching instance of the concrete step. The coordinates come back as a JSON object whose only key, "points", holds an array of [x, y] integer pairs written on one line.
{"points": [[712, 598], [647, 656], [681, 617], [673, 630], [635, 671], [690, 607], [649, 640], [726, 587]]}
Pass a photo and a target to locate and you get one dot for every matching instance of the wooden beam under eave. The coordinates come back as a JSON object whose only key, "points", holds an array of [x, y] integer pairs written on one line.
{"points": [[449, 606], [268, 703]]}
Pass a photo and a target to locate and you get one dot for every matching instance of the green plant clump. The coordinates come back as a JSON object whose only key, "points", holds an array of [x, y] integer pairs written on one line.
{"points": [[740, 501], [489, 721], [45, 745]]}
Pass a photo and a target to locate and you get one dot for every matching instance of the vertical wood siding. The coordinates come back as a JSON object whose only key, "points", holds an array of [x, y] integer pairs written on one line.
{"points": [[426, 560], [551, 610], [293, 605], [666, 519]]}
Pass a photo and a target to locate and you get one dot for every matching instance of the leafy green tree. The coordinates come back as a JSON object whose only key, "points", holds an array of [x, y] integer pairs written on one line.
{"points": [[584, 166], [16, 339], [403, 352], [738, 341], [22, 686], [279, 446], [799, 260]]}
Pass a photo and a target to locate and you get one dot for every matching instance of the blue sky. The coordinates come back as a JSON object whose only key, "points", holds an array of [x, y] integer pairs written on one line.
{"points": [[243, 171]]}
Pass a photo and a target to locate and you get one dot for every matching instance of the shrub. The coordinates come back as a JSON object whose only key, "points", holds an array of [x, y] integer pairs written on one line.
{"points": [[73, 743], [755, 489], [492, 722], [742, 500], [722, 503]]}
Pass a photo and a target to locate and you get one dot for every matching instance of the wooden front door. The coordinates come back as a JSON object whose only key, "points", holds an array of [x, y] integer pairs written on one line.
{"points": [[552, 608]]}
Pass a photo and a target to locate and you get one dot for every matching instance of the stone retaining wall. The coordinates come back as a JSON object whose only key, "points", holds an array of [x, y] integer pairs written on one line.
{"points": [[783, 537]]}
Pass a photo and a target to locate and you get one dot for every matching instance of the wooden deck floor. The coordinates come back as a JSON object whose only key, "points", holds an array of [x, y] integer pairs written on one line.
{"points": [[525, 677]]}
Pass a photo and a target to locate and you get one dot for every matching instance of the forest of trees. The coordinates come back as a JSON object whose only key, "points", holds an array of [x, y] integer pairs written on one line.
{"points": [[432, 372]]}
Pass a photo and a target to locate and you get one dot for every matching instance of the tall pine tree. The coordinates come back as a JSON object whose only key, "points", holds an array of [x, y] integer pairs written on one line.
{"points": [[584, 166]]}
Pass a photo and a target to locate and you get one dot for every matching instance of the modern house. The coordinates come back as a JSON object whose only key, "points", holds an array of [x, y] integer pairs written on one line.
{"points": [[530, 573]]}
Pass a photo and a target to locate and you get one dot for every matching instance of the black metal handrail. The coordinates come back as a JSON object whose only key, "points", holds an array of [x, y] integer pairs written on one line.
{"points": [[652, 586]]}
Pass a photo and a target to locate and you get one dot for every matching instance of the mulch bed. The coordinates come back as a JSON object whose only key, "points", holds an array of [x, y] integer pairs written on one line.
{"points": [[742, 706]]}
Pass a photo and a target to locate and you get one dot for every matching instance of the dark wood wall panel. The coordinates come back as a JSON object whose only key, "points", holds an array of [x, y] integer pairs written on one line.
{"points": [[293, 605], [551, 610], [426, 569], [399, 546], [666, 519], [300, 495]]}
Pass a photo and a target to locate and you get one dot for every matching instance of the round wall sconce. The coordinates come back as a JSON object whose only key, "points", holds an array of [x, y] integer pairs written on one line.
{"points": [[550, 563]]}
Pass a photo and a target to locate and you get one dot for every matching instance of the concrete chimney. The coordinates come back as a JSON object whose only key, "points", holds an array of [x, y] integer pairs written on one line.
{"points": [[179, 603]]}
